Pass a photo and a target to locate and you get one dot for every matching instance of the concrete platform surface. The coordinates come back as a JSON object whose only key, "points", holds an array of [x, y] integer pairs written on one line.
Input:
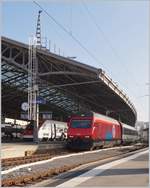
{"points": [[129, 171], [18, 149]]}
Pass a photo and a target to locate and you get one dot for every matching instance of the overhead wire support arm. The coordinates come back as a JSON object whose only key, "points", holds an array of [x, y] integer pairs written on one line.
{"points": [[38, 31]]}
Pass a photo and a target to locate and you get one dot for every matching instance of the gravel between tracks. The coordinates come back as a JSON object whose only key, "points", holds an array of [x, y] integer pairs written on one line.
{"points": [[70, 161]]}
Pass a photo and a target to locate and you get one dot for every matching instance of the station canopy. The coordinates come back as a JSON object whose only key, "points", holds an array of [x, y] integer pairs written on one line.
{"points": [[67, 86]]}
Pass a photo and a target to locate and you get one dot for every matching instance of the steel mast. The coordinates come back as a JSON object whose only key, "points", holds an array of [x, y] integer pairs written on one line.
{"points": [[33, 89]]}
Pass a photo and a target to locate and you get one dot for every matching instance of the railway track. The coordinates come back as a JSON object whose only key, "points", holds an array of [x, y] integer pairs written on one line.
{"points": [[34, 177], [15, 161]]}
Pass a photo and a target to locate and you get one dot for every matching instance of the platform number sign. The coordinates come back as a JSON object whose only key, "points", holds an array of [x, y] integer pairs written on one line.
{"points": [[113, 131]]}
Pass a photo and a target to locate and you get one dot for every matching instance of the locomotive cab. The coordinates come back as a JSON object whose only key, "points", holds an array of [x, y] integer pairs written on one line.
{"points": [[80, 133]]}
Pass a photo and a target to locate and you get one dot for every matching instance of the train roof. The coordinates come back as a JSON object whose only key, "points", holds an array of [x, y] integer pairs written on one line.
{"points": [[103, 117], [128, 126], [94, 114], [106, 118]]}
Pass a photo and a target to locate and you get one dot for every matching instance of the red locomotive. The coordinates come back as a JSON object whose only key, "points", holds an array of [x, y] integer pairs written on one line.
{"points": [[92, 130]]}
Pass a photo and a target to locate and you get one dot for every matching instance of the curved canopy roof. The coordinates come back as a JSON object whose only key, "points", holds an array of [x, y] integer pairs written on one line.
{"points": [[66, 85]]}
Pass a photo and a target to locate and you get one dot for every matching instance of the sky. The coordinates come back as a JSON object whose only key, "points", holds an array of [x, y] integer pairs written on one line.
{"points": [[115, 32]]}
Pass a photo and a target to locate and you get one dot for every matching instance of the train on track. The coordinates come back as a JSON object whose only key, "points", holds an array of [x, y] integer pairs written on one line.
{"points": [[48, 130], [10, 131], [92, 130]]}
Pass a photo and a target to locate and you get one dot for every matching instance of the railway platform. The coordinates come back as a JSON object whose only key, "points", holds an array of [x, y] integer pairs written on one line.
{"points": [[18, 149], [30, 172], [128, 171]]}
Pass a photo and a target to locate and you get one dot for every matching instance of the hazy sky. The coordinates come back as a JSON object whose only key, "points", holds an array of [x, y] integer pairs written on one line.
{"points": [[115, 32]]}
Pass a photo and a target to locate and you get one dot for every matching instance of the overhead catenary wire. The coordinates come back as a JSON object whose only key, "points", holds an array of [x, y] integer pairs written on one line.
{"points": [[106, 39], [104, 36], [71, 17], [72, 36]]}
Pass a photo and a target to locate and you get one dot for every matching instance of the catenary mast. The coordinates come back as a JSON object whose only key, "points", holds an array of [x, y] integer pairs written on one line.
{"points": [[33, 89]]}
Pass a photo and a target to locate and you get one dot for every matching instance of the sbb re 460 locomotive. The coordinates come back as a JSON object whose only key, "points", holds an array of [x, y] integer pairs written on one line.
{"points": [[92, 130]]}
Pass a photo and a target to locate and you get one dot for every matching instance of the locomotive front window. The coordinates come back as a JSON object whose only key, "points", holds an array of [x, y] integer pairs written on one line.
{"points": [[81, 124]]}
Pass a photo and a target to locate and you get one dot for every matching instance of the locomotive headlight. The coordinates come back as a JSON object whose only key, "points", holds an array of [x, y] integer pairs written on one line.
{"points": [[87, 136]]}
